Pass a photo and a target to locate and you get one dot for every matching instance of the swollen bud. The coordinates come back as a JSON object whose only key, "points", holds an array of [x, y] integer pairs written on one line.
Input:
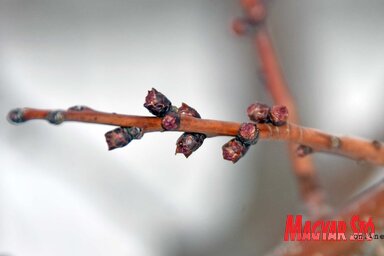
{"points": [[171, 121], [258, 112], [189, 143], [157, 103], [117, 138], [278, 115], [122, 136], [187, 110], [248, 133], [234, 149]]}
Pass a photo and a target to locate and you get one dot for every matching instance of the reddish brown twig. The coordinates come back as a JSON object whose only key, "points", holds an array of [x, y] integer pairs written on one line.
{"points": [[368, 204], [303, 168], [354, 148]]}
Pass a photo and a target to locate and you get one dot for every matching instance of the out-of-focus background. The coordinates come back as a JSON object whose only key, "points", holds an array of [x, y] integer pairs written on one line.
{"points": [[62, 192]]}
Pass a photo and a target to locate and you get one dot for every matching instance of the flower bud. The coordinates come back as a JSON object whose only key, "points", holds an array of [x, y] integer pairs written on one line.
{"points": [[157, 103], [171, 121], [234, 149], [189, 143], [303, 150], [118, 138], [248, 133], [187, 110], [278, 115], [258, 112]]}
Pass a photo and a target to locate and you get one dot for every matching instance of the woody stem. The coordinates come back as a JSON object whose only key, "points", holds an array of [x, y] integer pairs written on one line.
{"points": [[354, 148]]}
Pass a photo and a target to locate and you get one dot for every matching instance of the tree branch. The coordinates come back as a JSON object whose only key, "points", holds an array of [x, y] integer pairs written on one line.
{"points": [[354, 148]]}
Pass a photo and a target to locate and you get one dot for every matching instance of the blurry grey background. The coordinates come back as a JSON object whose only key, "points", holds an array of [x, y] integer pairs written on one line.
{"points": [[63, 193]]}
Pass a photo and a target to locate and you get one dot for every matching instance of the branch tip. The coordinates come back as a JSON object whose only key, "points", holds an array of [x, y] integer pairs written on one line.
{"points": [[16, 116]]}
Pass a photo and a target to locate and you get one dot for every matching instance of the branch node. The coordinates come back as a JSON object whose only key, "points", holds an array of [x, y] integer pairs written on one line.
{"points": [[16, 116], [303, 150], [335, 142], [80, 108], [55, 117], [376, 144]]}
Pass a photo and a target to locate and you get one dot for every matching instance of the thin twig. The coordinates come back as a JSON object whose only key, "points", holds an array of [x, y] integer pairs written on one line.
{"points": [[303, 168], [354, 148]]}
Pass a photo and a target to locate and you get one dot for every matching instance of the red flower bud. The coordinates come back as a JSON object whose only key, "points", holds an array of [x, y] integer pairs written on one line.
{"points": [[258, 112], [234, 149], [157, 103], [278, 115], [171, 121], [122, 136], [248, 133], [187, 110], [117, 138], [189, 143]]}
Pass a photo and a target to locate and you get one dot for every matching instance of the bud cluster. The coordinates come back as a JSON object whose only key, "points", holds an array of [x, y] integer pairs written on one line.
{"points": [[189, 142], [161, 106], [261, 113], [236, 148]]}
